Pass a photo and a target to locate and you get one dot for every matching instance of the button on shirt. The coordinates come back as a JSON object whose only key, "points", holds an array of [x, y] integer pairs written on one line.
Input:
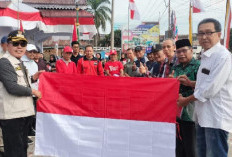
{"points": [[213, 89]]}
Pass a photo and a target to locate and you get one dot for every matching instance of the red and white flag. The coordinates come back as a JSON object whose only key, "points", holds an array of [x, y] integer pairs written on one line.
{"points": [[197, 6], [227, 24], [74, 35], [106, 116], [134, 13], [21, 26], [31, 18]]}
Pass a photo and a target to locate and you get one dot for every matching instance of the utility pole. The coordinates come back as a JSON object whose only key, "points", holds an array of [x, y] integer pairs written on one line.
{"points": [[112, 26], [169, 15]]}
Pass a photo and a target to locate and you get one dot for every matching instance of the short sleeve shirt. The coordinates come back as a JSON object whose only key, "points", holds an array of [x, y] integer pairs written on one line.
{"points": [[114, 67]]}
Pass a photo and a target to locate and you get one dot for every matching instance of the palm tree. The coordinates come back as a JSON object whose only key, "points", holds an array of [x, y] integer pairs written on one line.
{"points": [[101, 11]]}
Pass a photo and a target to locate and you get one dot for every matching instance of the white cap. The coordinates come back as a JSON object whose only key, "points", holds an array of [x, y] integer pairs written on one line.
{"points": [[31, 47]]}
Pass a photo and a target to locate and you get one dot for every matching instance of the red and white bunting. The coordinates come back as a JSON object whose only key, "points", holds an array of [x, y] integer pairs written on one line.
{"points": [[31, 18]]}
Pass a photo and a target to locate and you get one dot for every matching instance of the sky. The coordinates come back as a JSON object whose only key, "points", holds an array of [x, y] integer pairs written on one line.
{"points": [[156, 10]]}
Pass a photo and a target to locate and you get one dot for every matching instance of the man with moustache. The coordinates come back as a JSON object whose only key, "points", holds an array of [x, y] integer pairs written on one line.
{"points": [[213, 92]]}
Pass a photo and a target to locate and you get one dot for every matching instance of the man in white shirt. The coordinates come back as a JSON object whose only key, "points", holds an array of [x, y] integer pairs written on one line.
{"points": [[213, 92]]}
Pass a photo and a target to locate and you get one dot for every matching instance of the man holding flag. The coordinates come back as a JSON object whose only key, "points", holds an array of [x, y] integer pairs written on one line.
{"points": [[212, 92]]}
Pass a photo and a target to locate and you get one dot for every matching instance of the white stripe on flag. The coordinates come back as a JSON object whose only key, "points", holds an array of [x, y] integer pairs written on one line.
{"points": [[72, 136]]}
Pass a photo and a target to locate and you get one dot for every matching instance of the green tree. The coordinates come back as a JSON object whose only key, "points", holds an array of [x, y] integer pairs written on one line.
{"points": [[101, 11], [105, 42]]}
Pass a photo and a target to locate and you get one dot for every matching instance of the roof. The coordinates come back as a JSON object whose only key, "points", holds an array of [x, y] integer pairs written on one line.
{"points": [[4, 4], [51, 4], [84, 13], [57, 2], [81, 2], [58, 13], [64, 13]]}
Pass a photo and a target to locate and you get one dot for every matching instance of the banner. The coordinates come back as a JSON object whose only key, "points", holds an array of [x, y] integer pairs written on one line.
{"points": [[146, 35], [98, 116]]}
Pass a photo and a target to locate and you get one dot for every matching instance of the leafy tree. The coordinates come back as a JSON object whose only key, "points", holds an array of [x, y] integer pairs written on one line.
{"points": [[105, 42], [101, 11]]}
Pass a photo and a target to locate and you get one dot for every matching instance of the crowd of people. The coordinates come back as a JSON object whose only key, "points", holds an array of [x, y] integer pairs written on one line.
{"points": [[204, 117]]}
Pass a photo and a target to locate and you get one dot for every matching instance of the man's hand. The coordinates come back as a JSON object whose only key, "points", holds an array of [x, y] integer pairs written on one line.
{"points": [[172, 74], [37, 93], [134, 67], [142, 69], [182, 101], [186, 81], [36, 75]]}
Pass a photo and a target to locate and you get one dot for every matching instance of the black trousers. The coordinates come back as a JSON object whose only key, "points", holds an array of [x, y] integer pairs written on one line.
{"points": [[15, 133], [185, 139]]}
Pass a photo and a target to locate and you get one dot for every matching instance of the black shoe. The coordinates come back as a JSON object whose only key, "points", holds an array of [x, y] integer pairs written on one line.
{"points": [[29, 141]]}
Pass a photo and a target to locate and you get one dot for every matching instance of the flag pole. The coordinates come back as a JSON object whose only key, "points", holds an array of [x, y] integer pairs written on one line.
{"points": [[112, 26], [77, 23], [128, 29], [227, 24], [190, 24], [18, 16]]}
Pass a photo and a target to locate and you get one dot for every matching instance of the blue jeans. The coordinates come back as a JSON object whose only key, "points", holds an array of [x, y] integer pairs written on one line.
{"points": [[211, 142]]}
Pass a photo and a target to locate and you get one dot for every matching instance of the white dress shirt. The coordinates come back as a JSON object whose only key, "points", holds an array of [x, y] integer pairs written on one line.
{"points": [[213, 109], [32, 68]]}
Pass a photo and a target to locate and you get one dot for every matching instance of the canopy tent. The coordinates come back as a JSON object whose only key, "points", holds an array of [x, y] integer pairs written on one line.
{"points": [[37, 27]]}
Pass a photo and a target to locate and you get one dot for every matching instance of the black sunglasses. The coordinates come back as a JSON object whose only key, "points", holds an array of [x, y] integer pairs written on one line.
{"points": [[22, 43]]}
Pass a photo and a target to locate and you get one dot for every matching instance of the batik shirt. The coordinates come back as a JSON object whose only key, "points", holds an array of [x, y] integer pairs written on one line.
{"points": [[190, 70]]}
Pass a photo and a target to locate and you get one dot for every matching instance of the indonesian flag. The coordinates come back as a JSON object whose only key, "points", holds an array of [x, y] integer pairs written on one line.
{"points": [[74, 36], [134, 13], [197, 6], [227, 24], [31, 18], [97, 116], [21, 26]]}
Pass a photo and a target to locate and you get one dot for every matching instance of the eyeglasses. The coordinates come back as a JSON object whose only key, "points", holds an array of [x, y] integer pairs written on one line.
{"points": [[182, 50], [201, 34], [22, 43]]}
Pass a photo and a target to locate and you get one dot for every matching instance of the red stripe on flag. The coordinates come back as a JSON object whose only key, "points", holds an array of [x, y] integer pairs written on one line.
{"points": [[143, 99], [196, 10], [25, 16], [132, 14], [67, 21]]}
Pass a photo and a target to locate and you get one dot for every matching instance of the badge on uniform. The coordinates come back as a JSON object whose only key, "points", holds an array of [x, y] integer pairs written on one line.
{"points": [[18, 68], [205, 71]]}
